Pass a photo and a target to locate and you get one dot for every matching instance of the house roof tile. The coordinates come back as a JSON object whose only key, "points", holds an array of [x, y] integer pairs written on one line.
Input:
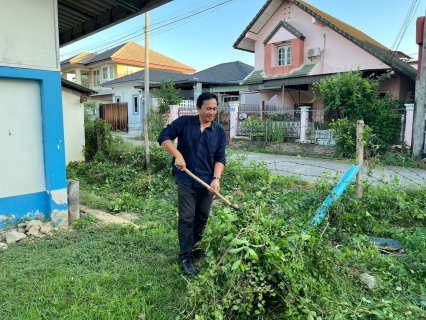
{"points": [[258, 76], [229, 72], [131, 52], [224, 73], [154, 76]]}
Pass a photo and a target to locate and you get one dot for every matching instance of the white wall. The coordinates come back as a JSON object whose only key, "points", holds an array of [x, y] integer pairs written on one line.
{"points": [[248, 97], [73, 126], [126, 92], [21, 143], [28, 37]]}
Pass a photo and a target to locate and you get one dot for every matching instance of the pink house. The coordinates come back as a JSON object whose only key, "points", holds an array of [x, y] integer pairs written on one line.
{"points": [[296, 45]]}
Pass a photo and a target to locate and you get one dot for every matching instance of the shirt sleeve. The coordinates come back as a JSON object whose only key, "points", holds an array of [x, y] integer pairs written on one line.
{"points": [[220, 154], [172, 131]]}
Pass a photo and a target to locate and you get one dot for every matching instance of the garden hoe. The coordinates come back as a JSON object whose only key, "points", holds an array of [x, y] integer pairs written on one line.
{"points": [[208, 187]]}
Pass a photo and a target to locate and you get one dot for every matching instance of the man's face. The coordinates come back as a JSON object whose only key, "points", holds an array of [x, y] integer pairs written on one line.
{"points": [[208, 110]]}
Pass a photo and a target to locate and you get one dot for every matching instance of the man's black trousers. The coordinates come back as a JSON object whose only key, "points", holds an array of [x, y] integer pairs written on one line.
{"points": [[194, 209]]}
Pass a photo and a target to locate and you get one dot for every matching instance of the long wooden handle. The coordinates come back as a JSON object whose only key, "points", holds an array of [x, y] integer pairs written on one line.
{"points": [[208, 187]]}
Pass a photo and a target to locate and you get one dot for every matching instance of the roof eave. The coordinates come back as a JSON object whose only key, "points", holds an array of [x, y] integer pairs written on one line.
{"points": [[252, 22]]}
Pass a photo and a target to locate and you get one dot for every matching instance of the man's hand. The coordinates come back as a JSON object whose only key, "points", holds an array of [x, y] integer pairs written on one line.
{"points": [[180, 163], [215, 187]]}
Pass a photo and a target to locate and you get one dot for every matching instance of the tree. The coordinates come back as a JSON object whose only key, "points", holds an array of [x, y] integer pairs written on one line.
{"points": [[167, 95]]}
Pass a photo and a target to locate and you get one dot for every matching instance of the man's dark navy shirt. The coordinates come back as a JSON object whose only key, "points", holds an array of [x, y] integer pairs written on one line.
{"points": [[200, 150]]}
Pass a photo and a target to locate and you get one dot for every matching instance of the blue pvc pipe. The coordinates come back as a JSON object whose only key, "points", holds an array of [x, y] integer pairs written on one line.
{"points": [[321, 212]]}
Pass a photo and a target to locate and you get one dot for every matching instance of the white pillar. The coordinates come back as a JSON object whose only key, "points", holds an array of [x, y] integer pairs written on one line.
{"points": [[409, 118], [77, 75], [198, 89], [174, 112], [304, 121], [233, 118]]}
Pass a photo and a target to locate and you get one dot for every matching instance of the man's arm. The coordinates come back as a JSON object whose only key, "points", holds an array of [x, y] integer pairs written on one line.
{"points": [[218, 169], [219, 162], [169, 147], [166, 137]]}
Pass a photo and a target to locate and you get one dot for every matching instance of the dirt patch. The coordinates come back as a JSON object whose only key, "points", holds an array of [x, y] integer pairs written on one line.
{"points": [[106, 218]]}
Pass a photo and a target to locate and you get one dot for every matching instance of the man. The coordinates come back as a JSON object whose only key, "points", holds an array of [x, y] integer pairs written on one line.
{"points": [[201, 149]]}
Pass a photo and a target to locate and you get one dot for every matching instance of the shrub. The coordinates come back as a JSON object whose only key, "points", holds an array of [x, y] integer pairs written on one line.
{"points": [[357, 98]]}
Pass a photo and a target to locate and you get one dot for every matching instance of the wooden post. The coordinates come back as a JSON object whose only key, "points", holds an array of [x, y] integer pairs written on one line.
{"points": [[145, 133], [359, 157], [146, 87]]}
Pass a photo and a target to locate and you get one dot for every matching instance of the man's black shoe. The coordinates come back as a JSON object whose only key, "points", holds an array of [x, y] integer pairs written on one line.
{"points": [[188, 267], [199, 254]]}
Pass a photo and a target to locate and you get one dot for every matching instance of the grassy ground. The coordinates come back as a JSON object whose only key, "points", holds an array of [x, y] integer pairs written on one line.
{"points": [[272, 272], [94, 273]]}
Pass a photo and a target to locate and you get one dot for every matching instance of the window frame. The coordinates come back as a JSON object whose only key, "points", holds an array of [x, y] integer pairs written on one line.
{"points": [[98, 77], [104, 73], [111, 72], [287, 55], [135, 103]]}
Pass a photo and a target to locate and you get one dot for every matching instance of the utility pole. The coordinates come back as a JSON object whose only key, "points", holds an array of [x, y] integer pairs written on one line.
{"points": [[146, 87], [419, 110]]}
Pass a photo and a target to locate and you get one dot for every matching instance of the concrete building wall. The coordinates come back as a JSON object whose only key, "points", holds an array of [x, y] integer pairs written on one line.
{"points": [[28, 34], [73, 127], [21, 141], [32, 167]]}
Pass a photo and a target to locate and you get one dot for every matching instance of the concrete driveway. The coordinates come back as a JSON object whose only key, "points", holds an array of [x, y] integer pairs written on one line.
{"points": [[312, 169]]}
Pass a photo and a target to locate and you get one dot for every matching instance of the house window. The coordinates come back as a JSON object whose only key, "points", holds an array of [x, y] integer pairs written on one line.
{"points": [[111, 72], [284, 56], [135, 104], [117, 99], [105, 73], [96, 78], [229, 99], [85, 80]]}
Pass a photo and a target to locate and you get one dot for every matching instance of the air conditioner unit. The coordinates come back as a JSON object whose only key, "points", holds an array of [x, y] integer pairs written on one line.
{"points": [[314, 52]]}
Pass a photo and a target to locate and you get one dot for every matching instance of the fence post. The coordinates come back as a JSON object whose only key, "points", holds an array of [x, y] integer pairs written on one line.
{"points": [[174, 112], [233, 118], [304, 120], [359, 157], [409, 118]]}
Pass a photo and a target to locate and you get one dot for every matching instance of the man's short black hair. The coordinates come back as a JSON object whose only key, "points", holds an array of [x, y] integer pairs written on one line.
{"points": [[204, 97]]}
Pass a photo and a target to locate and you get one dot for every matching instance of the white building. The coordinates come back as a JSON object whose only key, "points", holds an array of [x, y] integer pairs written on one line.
{"points": [[32, 145]]}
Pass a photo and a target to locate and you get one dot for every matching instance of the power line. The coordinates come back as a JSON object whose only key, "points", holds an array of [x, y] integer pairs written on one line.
{"points": [[408, 18], [171, 26], [189, 11], [137, 30]]}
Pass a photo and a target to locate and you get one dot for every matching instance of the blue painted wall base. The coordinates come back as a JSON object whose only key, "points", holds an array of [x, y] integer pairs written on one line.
{"points": [[53, 150]]}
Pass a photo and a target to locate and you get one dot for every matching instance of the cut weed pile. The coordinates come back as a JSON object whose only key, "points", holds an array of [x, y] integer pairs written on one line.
{"points": [[258, 265]]}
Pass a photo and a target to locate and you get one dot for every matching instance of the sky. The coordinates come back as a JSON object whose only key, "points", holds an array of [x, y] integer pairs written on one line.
{"points": [[205, 40]]}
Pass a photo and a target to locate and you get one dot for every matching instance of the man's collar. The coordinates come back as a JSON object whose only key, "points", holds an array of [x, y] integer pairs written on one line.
{"points": [[197, 121]]}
